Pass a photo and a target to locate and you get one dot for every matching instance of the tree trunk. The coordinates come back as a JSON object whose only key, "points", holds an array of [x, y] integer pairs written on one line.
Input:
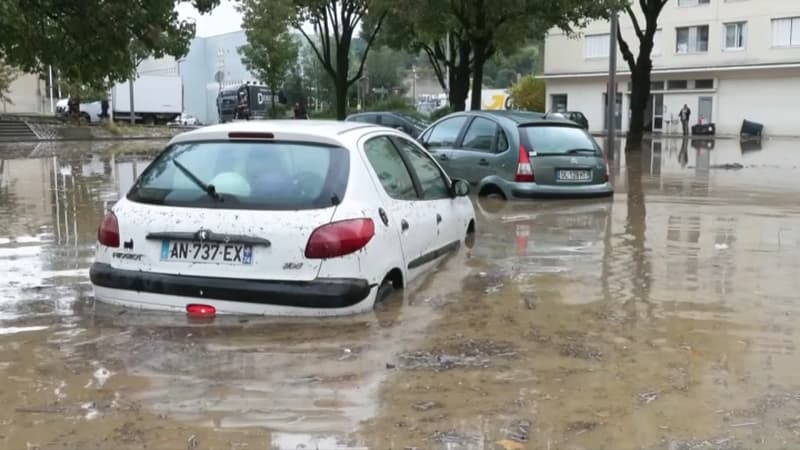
{"points": [[459, 77], [640, 94], [479, 48], [341, 76]]}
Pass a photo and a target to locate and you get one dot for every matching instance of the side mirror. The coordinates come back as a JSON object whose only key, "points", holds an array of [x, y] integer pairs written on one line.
{"points": [[460, 188]]}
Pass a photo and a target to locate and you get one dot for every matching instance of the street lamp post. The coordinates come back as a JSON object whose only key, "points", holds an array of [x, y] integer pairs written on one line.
{"points": [[611, 96]]}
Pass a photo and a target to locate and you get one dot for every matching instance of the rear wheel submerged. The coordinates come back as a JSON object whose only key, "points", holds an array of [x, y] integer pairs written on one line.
{"points": [[393, 282]]}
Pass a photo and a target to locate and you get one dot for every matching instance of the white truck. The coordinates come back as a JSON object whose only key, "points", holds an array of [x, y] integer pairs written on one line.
{"points": [[156, 99]]}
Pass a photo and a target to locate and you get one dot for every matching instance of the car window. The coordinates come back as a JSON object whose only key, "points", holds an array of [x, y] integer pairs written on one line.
{"points": [[247, 175], [446, 132], [366, 118], [390, 168], [557, 140], [502, 140], [480, 135], [433, 182]]}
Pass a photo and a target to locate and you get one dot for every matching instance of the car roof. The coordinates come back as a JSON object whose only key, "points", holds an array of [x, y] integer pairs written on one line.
{"points": [[329, 132], [522, 117]]}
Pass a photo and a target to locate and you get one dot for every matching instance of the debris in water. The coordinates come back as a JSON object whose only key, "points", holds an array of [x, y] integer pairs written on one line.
{"points": [[472, 353], [519, 431], [508, 444], [192, 443], [743, 424], [648, 397], [454, 437], [101, 375], [426, 406], [722, 246]]}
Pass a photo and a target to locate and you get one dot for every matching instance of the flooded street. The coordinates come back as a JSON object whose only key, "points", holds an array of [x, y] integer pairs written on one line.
{"points": [[662, 318]]}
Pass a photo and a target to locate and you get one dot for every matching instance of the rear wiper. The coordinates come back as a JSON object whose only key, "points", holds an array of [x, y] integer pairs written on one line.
{"points": [[207, 188], [581, 150]]}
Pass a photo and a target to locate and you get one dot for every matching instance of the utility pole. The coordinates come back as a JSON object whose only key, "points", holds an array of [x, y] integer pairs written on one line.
{"points": [[52, 103], [611, 95]]}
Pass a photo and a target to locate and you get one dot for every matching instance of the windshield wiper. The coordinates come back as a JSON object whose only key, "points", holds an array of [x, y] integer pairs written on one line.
{"points": [[207, 188], [581, 150]]}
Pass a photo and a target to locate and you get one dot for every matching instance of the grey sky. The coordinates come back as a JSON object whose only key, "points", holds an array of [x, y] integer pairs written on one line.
{"points": [[223, 19]]}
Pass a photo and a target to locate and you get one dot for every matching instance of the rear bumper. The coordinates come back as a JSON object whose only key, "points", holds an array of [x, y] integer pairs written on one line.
{"points": [[530, 190], [325, 293]]}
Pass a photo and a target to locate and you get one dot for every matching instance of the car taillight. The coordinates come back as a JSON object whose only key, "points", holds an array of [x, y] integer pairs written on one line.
{"points": [[339, 238], [108, 233], [524, 168]]}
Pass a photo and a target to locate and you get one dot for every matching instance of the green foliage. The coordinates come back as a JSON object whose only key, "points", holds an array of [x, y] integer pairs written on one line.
{"points": [[529, 94], [84, 92], [439, 113], [335, 23], [92, 41], [385, 68], [7, 76], [271, 51]]}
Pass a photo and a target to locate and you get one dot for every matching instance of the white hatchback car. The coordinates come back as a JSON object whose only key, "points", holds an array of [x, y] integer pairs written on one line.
{"points": [[279, 218]]}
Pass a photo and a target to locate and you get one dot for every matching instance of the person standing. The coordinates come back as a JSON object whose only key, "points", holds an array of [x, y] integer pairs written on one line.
{"points": [[299, 111], [684, 115]]}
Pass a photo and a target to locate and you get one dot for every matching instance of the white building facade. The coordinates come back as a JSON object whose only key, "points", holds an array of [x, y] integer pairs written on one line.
{"points": [[728, 60]]}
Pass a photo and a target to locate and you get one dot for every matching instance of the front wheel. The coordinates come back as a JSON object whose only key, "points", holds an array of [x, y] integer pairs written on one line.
{"points": [[385, 290]]}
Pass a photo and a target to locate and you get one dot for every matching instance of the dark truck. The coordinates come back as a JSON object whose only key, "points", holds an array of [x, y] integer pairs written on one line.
{"points": [[246, 102]]}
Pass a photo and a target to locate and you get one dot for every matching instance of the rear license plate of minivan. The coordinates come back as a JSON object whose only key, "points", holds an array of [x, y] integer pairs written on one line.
{"points": [[204, 252], [574, 175]]}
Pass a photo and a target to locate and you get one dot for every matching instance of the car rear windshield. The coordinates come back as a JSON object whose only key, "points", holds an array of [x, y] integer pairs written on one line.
{"points": [[245, 175], [557, 140]]}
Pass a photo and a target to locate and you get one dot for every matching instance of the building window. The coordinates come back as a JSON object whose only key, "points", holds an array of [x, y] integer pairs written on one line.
{"points": [[558, 102], [704, 84], [656, 85], [734, 35], [691, 39], [683, 3], [786, 32], [677, 84], [597, 46]]}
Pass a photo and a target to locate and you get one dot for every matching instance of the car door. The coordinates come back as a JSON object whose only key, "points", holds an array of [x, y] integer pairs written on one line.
{"points": [[479, 153], [442, 139], [405, 213], [439, 207]]}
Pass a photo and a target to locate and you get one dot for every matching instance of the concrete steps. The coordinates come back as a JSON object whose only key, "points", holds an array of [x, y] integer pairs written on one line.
{"points": [[16, 130]]}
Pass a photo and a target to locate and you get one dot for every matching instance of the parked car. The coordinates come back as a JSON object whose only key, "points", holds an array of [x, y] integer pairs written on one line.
{"points": [[575, 116], [186, 120], [514, 154], [280, 218], [404, 122]]}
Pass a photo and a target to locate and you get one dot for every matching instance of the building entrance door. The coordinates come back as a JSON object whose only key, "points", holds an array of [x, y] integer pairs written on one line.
{"points": [[657, 101]]}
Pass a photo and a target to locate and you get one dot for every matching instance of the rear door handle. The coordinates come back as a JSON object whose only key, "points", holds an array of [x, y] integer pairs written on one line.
{"points": [[438, 218], [483, 162], [404, 225]]}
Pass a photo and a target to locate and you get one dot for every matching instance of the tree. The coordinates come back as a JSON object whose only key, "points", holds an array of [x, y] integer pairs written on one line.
{"points": [[417, 27], [7, 76], [641, 65], [92, 41], [529, 93], [271, 51], [334, 22], [492, 25]]}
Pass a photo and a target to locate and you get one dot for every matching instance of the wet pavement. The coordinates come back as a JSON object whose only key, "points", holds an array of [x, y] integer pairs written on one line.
{"points": [[662, 318]]}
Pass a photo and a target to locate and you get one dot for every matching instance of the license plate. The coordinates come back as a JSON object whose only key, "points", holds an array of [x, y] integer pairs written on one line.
{"points": [[574, 175], [204, 252]]}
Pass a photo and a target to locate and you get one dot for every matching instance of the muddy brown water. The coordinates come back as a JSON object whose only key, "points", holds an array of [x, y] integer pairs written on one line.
{"points": [[662, 318]]}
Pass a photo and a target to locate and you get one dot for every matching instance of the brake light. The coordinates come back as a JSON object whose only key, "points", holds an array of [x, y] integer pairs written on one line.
{"points": [[197, 311], [524, 168], [339, 238], [108, 232], [250, 135]]}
